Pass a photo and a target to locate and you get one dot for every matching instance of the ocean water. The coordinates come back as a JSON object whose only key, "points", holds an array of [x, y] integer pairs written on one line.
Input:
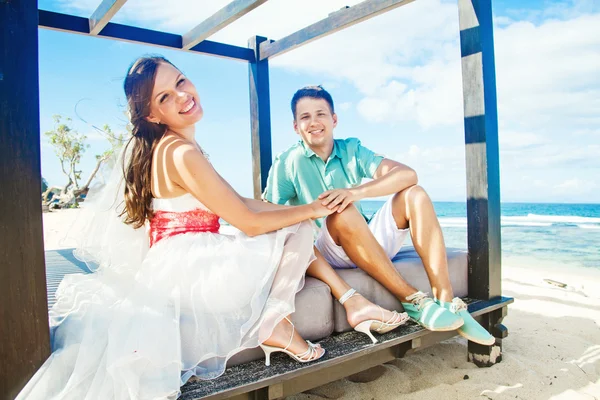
{"points": [[556, 234]]}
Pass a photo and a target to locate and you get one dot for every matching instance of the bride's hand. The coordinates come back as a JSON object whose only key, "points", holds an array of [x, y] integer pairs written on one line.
{"points": [[319, 210]]}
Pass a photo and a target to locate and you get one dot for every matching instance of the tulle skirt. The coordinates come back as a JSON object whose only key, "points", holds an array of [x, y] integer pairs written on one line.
{"points": [[195, 301]]}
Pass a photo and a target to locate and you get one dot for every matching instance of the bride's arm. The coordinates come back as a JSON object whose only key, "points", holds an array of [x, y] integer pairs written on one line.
{"points": [[188, 168], [253, 204], [259, 205]]}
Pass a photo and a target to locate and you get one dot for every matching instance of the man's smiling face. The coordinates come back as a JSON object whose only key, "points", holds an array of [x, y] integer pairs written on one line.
{"points": [[315, 122]]}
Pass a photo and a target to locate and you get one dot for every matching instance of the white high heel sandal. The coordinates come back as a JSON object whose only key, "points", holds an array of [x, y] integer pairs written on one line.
{"points": [[307, 356], [379, 326]]}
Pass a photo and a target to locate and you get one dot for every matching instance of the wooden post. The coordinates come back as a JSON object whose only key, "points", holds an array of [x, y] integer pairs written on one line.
{"points": [[24, 333], [260, 117], [483, 164]]}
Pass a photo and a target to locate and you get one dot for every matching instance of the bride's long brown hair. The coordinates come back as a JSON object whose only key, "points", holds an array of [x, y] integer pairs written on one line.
{"points": [[137, 171]]}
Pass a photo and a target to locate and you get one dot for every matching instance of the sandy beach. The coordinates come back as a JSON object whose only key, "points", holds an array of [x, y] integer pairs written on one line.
{"points": [[552, 351]]}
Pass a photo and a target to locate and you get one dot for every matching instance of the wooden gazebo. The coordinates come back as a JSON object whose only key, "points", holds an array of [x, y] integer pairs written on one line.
{"points": [[24, 333]]}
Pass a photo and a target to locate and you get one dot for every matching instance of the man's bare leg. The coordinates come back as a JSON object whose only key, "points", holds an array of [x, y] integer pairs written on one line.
{"points": [[412, 208], [350, 230]]}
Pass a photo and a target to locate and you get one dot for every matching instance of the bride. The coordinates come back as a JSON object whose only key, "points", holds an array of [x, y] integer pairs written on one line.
{"points": [[172, 298]]}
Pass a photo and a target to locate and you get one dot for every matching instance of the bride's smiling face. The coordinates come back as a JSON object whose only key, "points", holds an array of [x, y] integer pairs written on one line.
{"points": [[175, 101]]}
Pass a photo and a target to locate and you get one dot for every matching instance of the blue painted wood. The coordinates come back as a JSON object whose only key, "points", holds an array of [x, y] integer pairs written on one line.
{"points": [[470, 42], [24, 341], [260, 117], [481, 139], [80, 25], [476, 128]]}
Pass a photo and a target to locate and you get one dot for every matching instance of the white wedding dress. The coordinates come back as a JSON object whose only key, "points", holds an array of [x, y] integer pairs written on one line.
{"points": [[140, 330]]}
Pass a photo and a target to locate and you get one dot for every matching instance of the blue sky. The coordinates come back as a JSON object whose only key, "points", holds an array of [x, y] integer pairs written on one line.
{"points": [[396, 81]]}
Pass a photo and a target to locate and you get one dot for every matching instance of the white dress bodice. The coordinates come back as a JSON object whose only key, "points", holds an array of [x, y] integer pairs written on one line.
{"points": [[183, 203]]}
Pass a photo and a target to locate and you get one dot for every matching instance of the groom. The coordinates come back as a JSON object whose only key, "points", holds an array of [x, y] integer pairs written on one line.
{"points": [[332, 170]]}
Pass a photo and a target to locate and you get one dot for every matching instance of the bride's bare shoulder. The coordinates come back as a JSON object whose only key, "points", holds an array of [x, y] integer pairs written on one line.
{"points": [[171, 148], [167, 165], [170, 141], [177, 157]]}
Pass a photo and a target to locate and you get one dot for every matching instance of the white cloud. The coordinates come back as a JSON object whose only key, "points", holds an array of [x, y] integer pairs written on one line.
{"points": [[405, 68], [515, 140], [570, 184], [441, 169], [274, 19], [554, 156], [434, 159], [587, 131], [375, 56], [345, 106], [404, 71], [546, 78], [575, 187], [406, 63]]}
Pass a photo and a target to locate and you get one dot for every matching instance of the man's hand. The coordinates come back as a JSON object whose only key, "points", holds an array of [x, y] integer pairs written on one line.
{"points": [[340, 198]]}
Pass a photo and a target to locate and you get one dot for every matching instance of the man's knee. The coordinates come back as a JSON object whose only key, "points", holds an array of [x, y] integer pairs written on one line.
{"points": [[347, 218], [414, 195]]}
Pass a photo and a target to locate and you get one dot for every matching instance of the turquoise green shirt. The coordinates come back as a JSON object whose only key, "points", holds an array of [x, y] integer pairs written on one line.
{"points": [[298, 175]]}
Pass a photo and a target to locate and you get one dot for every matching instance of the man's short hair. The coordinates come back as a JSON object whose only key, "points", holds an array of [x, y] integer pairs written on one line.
{"points": [[314, 92]]}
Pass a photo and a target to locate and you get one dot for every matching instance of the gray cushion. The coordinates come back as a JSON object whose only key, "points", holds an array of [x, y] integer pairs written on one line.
{"points": [[318, 314], [409, 264], [313, 318]]}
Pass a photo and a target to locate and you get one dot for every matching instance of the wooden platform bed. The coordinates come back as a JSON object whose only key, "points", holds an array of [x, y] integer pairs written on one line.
{"points": [[347, 353]]}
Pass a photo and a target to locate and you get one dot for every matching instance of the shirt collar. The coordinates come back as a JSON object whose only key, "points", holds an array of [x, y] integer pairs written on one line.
{"points": [[308, 152]]}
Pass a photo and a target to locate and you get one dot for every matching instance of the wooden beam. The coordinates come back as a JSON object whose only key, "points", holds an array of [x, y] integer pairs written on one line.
{"points": [[336, 21], [260, 117], [72, 24], [24, 333], [103, 14], [225, 16], [482, 154], [318, 378]]}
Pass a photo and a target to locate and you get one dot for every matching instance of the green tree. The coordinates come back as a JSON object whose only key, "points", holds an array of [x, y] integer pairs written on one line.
{"points": [[69, 145]]}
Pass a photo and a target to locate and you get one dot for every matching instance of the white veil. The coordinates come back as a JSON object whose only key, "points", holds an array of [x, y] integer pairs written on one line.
{"points": [[102, 238]]}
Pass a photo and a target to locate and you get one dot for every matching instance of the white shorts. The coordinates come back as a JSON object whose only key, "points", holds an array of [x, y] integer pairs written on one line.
{"points": [[382, 225]]}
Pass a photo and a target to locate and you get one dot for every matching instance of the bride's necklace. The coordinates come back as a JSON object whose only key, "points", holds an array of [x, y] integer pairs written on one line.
{"points": [[204, 153]]}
